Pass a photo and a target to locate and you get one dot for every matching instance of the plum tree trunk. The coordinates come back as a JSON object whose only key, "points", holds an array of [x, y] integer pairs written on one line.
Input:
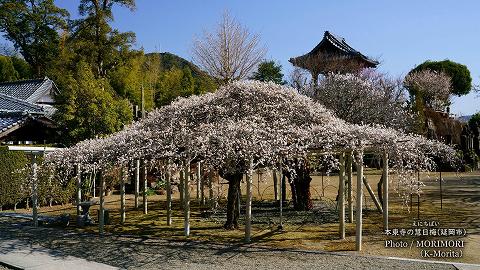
{"points": [[232, 205], [300, 184], [275, 185], [379, 190]]}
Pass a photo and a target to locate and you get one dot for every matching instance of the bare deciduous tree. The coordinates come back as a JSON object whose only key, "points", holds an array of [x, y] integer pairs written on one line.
{"points": [[299, 79], [230, 52]]}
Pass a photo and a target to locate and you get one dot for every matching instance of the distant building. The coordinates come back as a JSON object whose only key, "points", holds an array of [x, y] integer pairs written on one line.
{"points": [[332, 54], [26, 110]]}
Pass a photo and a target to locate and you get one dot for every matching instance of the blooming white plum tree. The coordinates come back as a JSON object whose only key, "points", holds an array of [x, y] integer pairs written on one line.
{"points": [[365, 98], [433, 87], [242, 123]]}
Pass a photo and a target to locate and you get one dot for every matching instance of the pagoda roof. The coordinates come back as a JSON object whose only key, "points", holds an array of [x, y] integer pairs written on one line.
{"points": [[332, 46]]}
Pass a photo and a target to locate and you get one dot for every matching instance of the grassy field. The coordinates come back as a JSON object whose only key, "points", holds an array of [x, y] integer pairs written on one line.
{"points": [[317, 229]]}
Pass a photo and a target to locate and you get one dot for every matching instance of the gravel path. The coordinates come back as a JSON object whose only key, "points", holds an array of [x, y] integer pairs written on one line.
{"points": [[128, 252]]}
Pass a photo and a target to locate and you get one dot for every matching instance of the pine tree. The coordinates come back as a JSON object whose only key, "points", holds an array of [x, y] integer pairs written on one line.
{"points": [[269, 71]]}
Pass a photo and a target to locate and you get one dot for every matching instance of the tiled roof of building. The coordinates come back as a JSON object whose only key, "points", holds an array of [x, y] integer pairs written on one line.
{"points": [[23, 100], [341, 44], [28, 90], [9, 121], [334, 45], [12, 104]]}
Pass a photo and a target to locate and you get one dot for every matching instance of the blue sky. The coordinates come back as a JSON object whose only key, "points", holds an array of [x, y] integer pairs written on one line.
{"points": [[401, 34]]}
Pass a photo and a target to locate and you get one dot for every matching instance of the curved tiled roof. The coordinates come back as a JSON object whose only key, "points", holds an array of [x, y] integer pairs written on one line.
{"points": [[330, 39], [12, 104], [29, 90], [24, 100], [8, 121]]}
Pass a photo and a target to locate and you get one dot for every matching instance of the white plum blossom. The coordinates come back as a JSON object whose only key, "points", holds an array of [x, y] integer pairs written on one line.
{"points": [[245, 121], [367, 98], [435, 87]]}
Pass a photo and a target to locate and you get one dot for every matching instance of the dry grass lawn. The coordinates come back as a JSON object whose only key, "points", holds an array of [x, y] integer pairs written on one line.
{"points": [[461, 209]]}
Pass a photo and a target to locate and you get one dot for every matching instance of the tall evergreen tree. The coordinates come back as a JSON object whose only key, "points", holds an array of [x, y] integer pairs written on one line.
{"points": [[33, 27], [7, 70], [22, 67], [187, 83], [95, 41], [88, 106], [269, 71]]}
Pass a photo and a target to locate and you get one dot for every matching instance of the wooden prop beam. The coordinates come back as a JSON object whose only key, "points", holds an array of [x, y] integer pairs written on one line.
{"points": [[280, 194], [101, 218], [181, 185], [210, 189], [358, 217], [137, 181], [169, 196], [385, 191], [34, 190], [349, 186], [341, 198], [372, 194], [186, 198], [79, 188], [123, 179], [248, 211], [145, 187], [275, 185], [198, 181]]}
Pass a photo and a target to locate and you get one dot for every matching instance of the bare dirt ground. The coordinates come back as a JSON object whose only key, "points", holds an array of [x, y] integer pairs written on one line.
{"points": [[133, 252], [316, 230]]}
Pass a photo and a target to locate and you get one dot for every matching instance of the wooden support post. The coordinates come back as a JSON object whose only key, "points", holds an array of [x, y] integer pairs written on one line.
{"points": [[275, 185], [201, 180], [101, 218], [358, 217], [372, 194], [418, 194], [34, 191], [137, 182], [341, 199], [198, 181], [145, 187], [186, 205], [210, 189], [280, 197], [181, 185], [93, 181], [79, 188], [323, 185], [248, 211], [123, 179], [385, 190], [239, 199], [349, 186], [169, 195], [441, 192]]}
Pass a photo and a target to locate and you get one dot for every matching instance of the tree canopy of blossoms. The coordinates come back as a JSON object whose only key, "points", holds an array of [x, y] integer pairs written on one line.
{"points": [[366, 98], [432, 86], [243, 121]]}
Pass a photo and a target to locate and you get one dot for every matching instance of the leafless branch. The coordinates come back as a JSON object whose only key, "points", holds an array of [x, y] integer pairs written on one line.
{"points": [[230, 52]]}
